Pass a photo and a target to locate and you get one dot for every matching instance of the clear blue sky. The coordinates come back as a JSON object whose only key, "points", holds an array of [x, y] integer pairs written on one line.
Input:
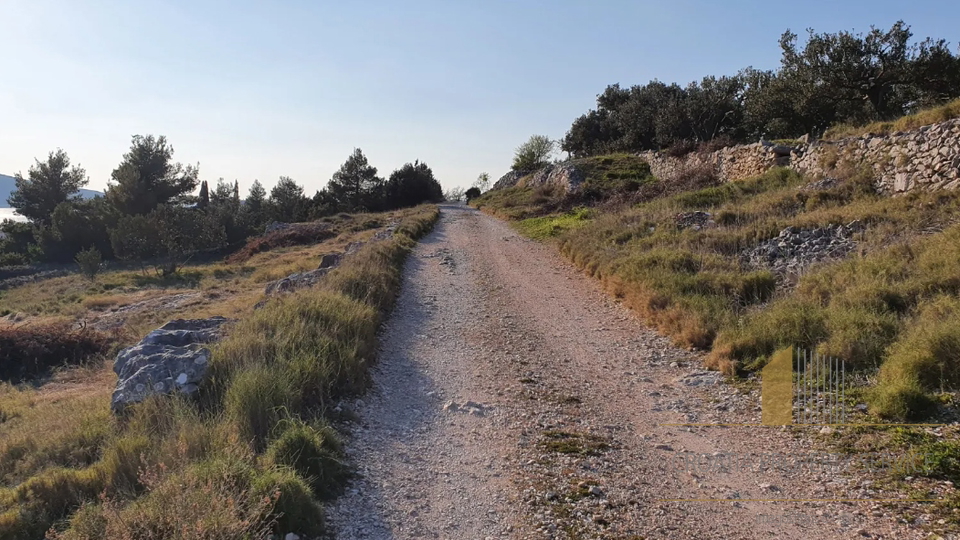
{"points": [[262, 89]]}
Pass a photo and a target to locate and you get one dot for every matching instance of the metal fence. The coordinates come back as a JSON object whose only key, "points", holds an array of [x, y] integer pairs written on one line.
{"points": [[819, 389]]}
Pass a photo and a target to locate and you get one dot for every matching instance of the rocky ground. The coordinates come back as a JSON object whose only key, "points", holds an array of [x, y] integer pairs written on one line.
{"points": [[794, 250], [513, 399]]}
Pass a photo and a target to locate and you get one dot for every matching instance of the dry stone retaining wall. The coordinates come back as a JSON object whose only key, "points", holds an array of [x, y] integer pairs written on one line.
{"points": [[926, 158], [729, 164]]}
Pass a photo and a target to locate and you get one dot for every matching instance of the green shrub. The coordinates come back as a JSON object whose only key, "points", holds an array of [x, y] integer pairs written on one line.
{"points": [[314, 453], [784, 323], [12, 259], [90, 262], [295, 508]]}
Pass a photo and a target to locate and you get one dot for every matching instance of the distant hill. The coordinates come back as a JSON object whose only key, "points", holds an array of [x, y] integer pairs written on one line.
{"points": [[8, 184]]}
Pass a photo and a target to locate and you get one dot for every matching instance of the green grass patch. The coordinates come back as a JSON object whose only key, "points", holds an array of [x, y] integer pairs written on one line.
{"points": [[541, 228], [565, 442]]}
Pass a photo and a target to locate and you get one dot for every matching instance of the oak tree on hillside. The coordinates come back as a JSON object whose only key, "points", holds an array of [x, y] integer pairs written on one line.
{"points": [[533, 154], [147, 177], [167, 237], [46, 185]]}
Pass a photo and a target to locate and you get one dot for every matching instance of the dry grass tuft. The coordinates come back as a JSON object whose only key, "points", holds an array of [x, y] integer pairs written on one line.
{"points": [[926, 117]]}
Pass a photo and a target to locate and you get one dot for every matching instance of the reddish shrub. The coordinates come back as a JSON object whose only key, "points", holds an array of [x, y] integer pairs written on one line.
{"points": [[28, 352], [299, 234]]}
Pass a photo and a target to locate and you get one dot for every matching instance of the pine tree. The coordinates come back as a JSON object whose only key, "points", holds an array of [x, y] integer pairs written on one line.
{"points": [[47, 184], [356, 185], [147, 177]]}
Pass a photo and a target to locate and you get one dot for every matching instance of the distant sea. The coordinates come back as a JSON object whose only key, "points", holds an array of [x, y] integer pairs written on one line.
{"points": [[9, 213]]}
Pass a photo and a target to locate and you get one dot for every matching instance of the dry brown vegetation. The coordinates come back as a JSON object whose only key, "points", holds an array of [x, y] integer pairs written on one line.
{"points": [[31, 351], [253, 456]]}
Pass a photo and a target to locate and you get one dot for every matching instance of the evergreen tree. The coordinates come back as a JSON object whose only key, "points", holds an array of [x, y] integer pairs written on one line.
{"points": [[287, 200], [204, 200], [46, 185], [147, 177], [411, 185], [356, 185]]}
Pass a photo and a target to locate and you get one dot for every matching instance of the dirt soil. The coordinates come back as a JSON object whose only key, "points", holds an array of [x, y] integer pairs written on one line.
{"points": [[513, 399]]}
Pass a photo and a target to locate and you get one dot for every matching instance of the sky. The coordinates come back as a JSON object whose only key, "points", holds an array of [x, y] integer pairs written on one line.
{"points": [[258, 90]]}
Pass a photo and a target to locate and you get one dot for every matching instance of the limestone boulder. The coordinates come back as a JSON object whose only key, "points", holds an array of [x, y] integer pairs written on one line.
{"points": [[171, 359]]}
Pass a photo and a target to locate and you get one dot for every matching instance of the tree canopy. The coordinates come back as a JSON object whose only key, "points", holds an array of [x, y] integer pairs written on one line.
{"points": [[356, 185], [534, 153], [147, 177], [46, 185], [411, 185], [831, 78]]}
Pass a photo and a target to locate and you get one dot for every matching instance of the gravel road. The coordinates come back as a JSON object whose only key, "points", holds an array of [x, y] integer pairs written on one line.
{"points": [[513, 399]]}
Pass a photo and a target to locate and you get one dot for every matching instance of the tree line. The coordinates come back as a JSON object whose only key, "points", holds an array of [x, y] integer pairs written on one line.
{"points": [[149, 211], [832, 79]]}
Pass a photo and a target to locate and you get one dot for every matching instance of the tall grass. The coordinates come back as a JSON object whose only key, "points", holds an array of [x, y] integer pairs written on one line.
{"points": [[926, 117], [252, 457], [888, 310]]}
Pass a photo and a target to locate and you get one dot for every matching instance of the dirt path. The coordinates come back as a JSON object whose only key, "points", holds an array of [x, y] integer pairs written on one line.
{"points": [[514, 400]]}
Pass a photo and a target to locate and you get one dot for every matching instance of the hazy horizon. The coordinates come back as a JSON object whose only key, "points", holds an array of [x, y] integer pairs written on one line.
{"points": [[256, 91]]}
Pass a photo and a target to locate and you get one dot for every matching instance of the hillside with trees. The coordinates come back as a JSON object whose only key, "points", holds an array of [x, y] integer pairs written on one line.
{"points": [[828, 80], [159, 211]]}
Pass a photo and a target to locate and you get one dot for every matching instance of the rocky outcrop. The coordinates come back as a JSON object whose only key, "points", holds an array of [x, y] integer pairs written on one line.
{"points": [[509, 180], [796, 249], [926, 159], [295, 281], [565, 176], [276, 226], [171, 359], [329, 261]]}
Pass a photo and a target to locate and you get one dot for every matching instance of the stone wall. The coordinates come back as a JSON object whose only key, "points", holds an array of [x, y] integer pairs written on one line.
{"points": [[927, 158], [729, 164]]}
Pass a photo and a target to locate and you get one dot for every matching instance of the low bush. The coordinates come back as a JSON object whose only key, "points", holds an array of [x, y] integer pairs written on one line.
{"points": [[29, 352], [314, 453], [298, 234], [90, 262]]}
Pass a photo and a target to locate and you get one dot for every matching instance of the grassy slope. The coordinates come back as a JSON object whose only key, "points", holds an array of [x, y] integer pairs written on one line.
{"points": [[891, 309], [253, 457], [925, 117], [893, 303], [605, 176]]}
